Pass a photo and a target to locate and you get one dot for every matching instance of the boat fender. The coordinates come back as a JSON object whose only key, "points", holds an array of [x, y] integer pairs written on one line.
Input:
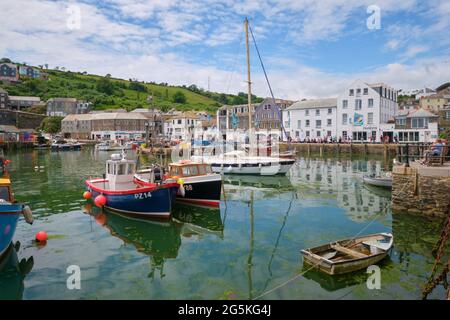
{"points": [[260, 165], [240, 166], [181, 190], [229, 169], [28, 215]]}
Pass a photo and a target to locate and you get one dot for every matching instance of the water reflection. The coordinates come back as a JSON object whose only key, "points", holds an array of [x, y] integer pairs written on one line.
{"points": [[13, 273], [341, 180]]}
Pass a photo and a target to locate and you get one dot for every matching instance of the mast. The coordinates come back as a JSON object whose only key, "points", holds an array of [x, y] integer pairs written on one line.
{"points": [[249, 100]]}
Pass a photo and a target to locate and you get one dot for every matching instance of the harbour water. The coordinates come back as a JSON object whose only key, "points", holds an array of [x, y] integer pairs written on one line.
{"points": [[247, 249]]}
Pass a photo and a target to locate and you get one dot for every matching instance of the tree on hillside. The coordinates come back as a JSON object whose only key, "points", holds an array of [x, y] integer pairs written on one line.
{"points": [[179, 97], [105, 86], [137, 86], [223, 98], [51, 124]]}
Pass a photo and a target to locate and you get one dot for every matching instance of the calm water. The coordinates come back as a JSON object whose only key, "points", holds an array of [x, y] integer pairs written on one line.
{"points": [[242, 251]]}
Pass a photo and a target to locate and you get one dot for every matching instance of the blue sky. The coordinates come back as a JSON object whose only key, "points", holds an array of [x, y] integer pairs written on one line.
{"points": [[310, 48]]}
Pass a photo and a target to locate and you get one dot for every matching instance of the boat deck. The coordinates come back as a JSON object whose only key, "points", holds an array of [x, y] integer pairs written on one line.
{"points": [[104, 185]]}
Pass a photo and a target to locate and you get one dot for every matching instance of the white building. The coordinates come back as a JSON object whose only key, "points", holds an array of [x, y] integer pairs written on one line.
{"points": [[361, 110], [416, 126], [311, 120], [181, 127]]}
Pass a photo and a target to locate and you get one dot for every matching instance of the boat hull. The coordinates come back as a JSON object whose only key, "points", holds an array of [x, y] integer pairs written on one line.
{"points": [[201, 191], [316, 257], [378, 182], [140, 203], [9, 215], [269, 169]]}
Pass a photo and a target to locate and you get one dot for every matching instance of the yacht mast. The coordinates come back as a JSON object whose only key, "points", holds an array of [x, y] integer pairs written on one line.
{"points": [[249, 84]]}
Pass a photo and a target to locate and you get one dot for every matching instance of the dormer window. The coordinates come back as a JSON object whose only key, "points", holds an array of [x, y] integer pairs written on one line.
{"points": [[351, 92]]}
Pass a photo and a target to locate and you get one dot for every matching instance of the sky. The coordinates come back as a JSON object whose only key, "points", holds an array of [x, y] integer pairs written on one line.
{"points": [[310, 48]]}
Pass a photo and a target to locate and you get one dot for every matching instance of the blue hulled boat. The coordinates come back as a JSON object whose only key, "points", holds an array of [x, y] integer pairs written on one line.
{"points": [[9, 214], [125, 196]]}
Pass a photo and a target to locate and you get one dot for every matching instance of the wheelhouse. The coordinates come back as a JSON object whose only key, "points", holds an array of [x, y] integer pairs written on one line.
{"points": [[5, 190], [189, 169]]}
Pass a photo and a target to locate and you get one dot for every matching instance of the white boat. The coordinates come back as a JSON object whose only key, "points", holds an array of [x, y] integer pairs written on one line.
{"points": [[238, 162], [112, 146], [379, 181]]}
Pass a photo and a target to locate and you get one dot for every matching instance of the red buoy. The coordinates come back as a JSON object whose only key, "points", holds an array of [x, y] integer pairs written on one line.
{"points": [[41, 236], [100, 200], [87, 195]]}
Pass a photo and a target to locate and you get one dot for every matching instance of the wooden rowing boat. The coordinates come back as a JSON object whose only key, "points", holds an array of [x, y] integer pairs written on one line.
{"points": [[385, 182], [349, 255]]}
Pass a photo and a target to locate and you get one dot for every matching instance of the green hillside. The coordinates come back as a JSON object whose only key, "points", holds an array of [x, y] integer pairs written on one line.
{"points": [[106, 92]]}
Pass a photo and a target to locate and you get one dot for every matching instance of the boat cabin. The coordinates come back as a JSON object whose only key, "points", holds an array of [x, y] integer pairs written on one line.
{"points": [[119, 170], [189, 169], [5, 190]]}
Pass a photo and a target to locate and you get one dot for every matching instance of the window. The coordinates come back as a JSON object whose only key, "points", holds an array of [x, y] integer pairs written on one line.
{"points": [[400, 121], [344, 118], [351, 92], [447, 114], [307, 112], [328, 133], [193, 170], [317, 112], [358, 92], [297, 134], [330, 111], [344, 104], [299, 124], [307, 123], [344, 135], [329, 122], [179, 121], [366, 91], [318, 123], [370, 103], [307, 133], [370, 118], [4, 193], [121, 170], [318, 134], [419, 122], [358, 104]]}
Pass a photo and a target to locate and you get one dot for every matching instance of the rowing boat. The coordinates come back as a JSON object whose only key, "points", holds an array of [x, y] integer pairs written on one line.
{"points": [[349, 255]]}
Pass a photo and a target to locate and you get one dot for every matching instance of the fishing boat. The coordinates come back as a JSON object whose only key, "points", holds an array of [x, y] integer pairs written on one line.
{"points": [[63, 145], [379, 181], [124, 195], [10, 210], [200, 186], [349, 255]]}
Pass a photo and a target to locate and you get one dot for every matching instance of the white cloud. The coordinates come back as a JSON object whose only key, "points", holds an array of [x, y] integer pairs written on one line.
{"points": [[128, 47]]}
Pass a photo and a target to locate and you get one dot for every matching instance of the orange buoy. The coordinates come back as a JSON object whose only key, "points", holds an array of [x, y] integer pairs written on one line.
{"points": [[87, 195], [100, 200], [100, 219], [41, 236]]}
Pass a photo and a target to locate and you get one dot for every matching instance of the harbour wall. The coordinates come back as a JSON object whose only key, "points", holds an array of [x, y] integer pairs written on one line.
{"points": [[421, 190], [388, 150]]}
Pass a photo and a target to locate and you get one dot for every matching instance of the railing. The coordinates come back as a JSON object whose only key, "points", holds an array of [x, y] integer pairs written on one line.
{"points": [[408, 152]]}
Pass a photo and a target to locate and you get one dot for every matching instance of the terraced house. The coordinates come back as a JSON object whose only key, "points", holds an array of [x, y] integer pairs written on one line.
{"points": [[269, 114], [9, 72]]}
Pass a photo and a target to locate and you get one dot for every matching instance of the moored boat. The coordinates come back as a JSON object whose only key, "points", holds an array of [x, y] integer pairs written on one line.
{"points": [[112, 146], [10, 210], [349, 255], [378, 181], [200, 186], [124, 195], [63, 145]]}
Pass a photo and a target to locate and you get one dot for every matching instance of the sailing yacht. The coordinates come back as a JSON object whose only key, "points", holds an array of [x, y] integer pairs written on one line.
{"points": [[245, 161]]}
